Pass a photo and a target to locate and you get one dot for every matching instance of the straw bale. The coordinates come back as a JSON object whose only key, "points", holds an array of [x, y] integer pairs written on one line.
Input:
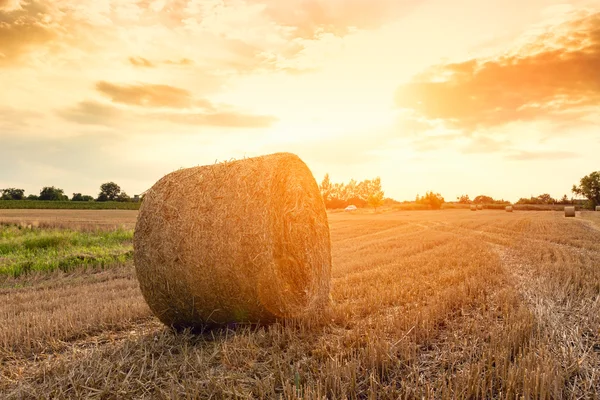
{"points": [[569, 211], [509, 209], [473, 207], [241, 241]]}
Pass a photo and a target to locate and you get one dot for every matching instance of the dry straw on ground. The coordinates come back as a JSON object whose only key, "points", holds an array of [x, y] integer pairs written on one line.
{"points": [[509, 209], [569, 211], [241, 241], [473, 207]]}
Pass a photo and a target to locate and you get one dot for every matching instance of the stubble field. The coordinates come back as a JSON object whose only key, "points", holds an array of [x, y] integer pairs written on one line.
{"points": [[425, 304]]}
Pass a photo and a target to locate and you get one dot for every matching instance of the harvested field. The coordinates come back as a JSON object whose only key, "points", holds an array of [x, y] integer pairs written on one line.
{"points": [[446, 304], [91, 219]]}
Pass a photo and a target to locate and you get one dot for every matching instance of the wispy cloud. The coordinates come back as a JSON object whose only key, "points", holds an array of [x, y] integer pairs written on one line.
{"points": [[147, 95], [141, 62], [93, 113], [310, 18]]}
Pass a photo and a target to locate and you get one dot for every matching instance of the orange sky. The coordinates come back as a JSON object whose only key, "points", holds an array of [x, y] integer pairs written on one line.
{"points": [[499, 98]]}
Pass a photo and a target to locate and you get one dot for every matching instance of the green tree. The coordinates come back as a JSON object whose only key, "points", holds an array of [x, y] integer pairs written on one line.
{"points": [[12, 194], [589, 187], [33, 197], [123, 197], [109, 191], [52, 193], [81, 197]]}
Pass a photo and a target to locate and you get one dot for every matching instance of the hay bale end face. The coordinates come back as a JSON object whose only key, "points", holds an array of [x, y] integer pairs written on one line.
{"points": [[569, 211], [597, 208], [479, 207], [473, 207], [509, 209], [242, 241]]}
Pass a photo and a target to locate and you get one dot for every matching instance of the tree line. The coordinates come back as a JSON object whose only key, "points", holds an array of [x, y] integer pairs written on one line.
{"points": [[359, 194], [370, 193], [109, 191]]}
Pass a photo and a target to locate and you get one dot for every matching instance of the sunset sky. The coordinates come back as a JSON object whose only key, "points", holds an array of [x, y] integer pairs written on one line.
{"points": [[460, 97]]}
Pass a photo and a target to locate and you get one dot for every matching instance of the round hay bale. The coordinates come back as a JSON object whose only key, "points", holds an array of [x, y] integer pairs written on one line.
{"points": [[473, 207], [569, 211], [597, 208], [509, 209], [241, 241], [479, 206]]}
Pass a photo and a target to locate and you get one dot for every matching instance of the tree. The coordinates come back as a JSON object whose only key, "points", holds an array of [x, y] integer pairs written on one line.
{"points": [[564, 200], [545, 199], [433, 200], [123, 197], [33, 197], [80, 197], [326, 188], [375, 200], [464, 199], [589, 187], [481, 199], [52, 193], [12, 194], [109, 191]]}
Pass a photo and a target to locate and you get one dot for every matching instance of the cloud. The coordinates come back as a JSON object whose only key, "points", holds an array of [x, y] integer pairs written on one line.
{"points": [[93, 113], [181, 62], [141, 62], [23, 29], [146, 95], [310, 18], [9, 5], [556, 77], [11, 118], [541, 155]]}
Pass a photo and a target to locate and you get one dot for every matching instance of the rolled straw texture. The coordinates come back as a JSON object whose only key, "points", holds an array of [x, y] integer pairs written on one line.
{"points": [[241, 241]]}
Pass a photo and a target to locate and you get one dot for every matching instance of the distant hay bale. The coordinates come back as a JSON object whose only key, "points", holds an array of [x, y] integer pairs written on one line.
{"points": [[241, 241], [569, 211], [597, 208], [479, 207], [509, 209], [473, 207]]}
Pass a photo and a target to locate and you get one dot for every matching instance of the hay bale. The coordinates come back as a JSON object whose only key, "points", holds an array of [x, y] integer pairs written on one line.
{"points": [[479, 207], [569, 211], [242, 241], [473, 207], [597, 208], [509, 209]]}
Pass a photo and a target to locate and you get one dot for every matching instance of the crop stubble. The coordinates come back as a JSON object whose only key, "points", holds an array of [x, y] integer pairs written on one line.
{"points": [[447, 304]]}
